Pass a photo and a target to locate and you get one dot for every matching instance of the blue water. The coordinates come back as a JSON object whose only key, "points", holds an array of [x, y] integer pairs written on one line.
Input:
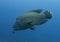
{"points": [[48, 32]]}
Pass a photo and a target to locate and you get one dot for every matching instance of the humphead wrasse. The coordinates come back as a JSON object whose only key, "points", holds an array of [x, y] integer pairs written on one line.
{"points": [[31, 18]]}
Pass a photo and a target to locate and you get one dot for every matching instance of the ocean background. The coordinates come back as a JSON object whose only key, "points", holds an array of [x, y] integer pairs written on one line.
{"points": [[11, 9]]}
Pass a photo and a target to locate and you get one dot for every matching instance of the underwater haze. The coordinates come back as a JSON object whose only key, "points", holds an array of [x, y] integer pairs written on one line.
{"points": [[11, 9]]}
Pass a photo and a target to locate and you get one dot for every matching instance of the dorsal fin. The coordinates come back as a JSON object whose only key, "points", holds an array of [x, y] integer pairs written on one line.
{"points": [[37, 10]]}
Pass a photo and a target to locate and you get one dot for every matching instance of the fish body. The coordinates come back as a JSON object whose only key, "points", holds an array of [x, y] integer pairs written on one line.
{"points": [[31, 18]]}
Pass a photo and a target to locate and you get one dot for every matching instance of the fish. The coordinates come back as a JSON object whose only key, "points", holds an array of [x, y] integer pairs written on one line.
{"points": [[31, 18]]}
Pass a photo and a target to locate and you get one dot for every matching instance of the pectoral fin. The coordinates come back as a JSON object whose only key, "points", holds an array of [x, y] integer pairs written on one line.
{"points": [[32, 28], [43, 21]]}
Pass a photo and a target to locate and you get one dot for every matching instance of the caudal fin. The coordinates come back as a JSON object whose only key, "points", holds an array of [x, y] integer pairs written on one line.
{"points": [[48, 14]]}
